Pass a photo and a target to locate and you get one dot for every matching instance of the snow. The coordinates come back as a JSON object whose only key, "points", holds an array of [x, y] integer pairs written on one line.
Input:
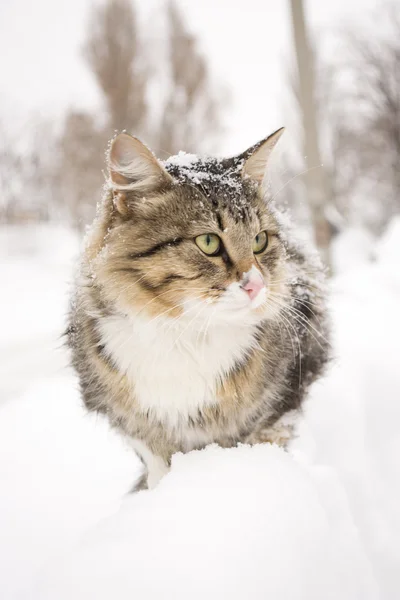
{"points": [[200, 169], [353, 247], [183, 159], [222, 524], [61, 472], [388, 247], [321, 521]]}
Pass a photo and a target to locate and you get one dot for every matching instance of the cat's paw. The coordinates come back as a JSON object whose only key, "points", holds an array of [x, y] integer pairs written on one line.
{"points": [[281, 433], [140, 484]]}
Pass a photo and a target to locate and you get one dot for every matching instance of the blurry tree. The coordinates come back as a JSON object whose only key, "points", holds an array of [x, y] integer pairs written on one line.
{"points": [[114, 56], [357, 102], [190, 116], [119, 63], [363, 121], [28, 190], [79, 170], [61, 175], [9, 168], [315, 178]]}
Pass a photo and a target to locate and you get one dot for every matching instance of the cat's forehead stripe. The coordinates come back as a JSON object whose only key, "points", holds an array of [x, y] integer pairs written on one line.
{"points": [[219, 180], [203, 169]]}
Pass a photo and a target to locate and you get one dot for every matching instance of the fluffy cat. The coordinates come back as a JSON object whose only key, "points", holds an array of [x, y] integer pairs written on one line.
{"points": [[196, 317]]}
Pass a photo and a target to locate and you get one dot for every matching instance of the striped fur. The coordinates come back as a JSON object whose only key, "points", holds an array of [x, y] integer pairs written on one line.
{"points": [[164, 339]]}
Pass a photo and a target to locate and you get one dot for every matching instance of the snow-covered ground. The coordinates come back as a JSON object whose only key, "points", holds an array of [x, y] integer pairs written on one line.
{"points": [[320, 522]]}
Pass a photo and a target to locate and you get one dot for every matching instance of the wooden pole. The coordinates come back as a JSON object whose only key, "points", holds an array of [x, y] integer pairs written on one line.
{"points": [[316, 180]]}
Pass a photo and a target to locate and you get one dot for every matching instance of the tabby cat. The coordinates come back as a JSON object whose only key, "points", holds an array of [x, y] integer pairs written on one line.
{"points": [[196, 317]]}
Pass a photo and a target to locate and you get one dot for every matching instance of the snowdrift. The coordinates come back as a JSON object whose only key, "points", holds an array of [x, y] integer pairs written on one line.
{"points": [[239, 523]]}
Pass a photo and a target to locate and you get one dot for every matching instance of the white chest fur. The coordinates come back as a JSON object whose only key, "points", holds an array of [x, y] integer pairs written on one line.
{"points": [[174, 370]]}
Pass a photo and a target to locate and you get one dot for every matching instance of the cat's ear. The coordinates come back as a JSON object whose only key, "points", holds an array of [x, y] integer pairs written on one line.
{"points": [[256, 157], [133, 167]]}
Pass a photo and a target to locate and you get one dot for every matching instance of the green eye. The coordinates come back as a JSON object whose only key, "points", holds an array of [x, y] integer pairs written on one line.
{"points": [[260, 242], [209, 243]]}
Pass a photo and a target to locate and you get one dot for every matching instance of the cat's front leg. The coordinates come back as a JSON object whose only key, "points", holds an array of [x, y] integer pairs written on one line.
{"points": [[280, 433], [156, 465]]}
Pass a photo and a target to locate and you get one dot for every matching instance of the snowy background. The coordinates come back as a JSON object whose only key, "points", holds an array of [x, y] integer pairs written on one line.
{"points": [[319, 522], [249, 49]]}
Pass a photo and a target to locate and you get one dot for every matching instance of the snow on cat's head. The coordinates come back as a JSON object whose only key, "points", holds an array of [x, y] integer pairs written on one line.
{"points": [[192, 236]]}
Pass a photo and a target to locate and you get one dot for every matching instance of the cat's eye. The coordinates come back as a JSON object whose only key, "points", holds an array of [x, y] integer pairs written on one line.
{"points": [[260, 242], [209, 243]]}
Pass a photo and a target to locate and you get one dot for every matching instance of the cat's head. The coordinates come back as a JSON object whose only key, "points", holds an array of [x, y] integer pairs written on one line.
{"points": [[191, 236]]}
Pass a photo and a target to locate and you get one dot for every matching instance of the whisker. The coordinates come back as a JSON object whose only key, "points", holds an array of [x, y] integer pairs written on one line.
{"points": [[305, 321], [207, 327], [188, 325], [179, 304], [300, 300], [286, 323], [295, 177], [301, 319], [169, 292], [173, 321]]}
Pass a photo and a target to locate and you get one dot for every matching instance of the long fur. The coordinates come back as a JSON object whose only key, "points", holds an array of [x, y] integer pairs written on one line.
{"points": [[165, 341]]}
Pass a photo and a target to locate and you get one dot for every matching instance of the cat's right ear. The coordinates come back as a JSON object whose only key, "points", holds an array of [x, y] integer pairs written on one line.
{"points": [[133, 168], [256, 158]]}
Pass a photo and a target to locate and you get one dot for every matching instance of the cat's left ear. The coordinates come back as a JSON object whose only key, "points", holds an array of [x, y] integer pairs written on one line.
{"points": [[133, 166], [256, 157], [134, 172]]}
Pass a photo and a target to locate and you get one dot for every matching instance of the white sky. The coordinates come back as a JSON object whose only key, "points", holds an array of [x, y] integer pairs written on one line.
{"points": [[248, 43]]}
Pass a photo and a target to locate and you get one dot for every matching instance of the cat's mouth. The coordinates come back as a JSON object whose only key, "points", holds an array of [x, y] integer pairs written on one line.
{"points": [[238, 300], [259, 299], [232, 304], [250, 292], [256, 296], [234, 300]]}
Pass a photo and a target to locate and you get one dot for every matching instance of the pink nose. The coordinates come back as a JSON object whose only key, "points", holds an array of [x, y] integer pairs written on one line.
{"points": [[253, 285]]}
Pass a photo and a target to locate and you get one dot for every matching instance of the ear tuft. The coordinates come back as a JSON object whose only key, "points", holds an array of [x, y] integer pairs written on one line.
{"points": [[134, 167], [256, 157]]}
